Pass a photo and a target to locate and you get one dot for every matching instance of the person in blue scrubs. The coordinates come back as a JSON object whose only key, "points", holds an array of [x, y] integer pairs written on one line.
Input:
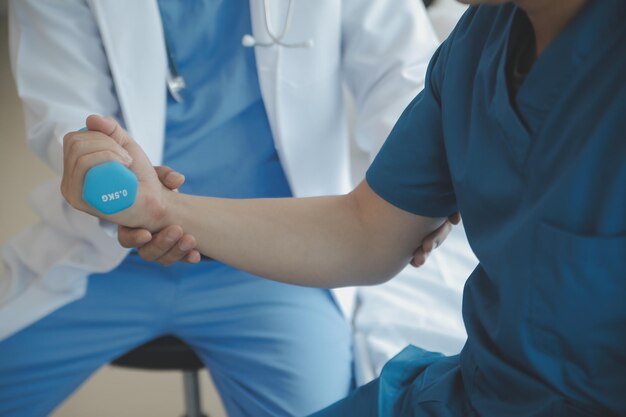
{"points": [[531, 150], [521, 128]]}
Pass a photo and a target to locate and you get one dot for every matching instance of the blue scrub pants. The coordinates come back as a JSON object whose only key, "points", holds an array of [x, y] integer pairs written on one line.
{"points": [[415, 383], [272, 349], [362, 402]]}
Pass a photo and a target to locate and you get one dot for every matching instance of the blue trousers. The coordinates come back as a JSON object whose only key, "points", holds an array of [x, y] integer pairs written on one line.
{"points": [[272, 349], [362, 402], [414, 383]]}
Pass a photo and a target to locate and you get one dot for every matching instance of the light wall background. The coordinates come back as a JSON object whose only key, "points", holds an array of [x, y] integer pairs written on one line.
{"points": [[111, 391]]}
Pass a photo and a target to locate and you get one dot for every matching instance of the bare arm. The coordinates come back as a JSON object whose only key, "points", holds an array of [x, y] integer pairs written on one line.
{"points": [[355, 239]]}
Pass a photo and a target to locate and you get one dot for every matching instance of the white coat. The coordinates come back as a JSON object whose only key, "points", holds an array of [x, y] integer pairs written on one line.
{"points": [[78, 57]]}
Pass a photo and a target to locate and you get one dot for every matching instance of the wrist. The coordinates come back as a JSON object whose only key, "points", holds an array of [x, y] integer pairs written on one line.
{"points": [[163, 214]]}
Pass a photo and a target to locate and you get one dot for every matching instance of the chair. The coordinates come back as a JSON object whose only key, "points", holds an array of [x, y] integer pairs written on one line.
{"points": [[169, 353]]}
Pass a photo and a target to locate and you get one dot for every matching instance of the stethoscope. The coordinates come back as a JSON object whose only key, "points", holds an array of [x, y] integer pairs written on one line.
{"points": [[176, 82], [249, 41]]}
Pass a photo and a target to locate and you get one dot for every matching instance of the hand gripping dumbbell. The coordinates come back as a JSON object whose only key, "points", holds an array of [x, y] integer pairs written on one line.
{"points": [[110, 187]]}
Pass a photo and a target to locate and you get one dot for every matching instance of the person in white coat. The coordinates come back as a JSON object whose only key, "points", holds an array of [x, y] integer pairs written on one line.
{"points": [[242, 127]]}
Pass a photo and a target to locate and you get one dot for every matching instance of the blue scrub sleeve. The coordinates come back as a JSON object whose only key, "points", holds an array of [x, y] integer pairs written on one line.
{"points": [[411, 170]]}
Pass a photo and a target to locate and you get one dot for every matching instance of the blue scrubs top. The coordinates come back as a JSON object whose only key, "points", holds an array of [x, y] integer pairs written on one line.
{"points": [[540, 179], [219, 136]]}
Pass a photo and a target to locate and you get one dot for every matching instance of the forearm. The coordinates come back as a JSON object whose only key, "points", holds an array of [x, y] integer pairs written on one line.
{"points": [[355, 239], [322, 242]]}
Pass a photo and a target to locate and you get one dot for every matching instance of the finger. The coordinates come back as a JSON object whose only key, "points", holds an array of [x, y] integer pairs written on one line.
{"points": [[170, 178], [72, 184], [110, 127], [187, 243], [86, 136], [193, 257], [455, 218], [179, 251], [419, 257], [84, 143], [133, 238], [106, 149], [141, 166], [76, 148], [161, 243], [85, 162], [433, 240]]}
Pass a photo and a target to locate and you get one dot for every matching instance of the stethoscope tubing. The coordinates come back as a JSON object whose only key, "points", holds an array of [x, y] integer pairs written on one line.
{"points": [[249, 41], [176, 82]]}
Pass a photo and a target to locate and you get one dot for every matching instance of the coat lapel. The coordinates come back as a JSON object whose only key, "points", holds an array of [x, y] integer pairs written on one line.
{"points": [[132, 37], [267, 62]]}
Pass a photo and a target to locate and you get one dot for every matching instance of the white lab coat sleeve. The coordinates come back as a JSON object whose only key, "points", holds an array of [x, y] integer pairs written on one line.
{"points": [[60, 69], [386, 47]]}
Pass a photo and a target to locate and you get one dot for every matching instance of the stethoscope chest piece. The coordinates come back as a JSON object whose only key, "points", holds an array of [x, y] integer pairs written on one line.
{"points": [[176, 85]]}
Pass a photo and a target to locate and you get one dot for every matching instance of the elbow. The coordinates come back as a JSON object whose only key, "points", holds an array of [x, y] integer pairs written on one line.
{"points": [[387, 276], [382, 275], [380, 279], [392, 268]]}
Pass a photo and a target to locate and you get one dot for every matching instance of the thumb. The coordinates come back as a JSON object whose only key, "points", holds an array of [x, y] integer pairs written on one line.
{"points": [[170, 178], [110, 127]]}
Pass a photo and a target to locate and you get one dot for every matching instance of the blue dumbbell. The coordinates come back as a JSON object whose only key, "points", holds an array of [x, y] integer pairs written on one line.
{"points": [[110, 187]]}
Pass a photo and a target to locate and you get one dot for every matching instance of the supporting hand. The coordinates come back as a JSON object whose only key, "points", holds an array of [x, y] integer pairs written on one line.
{"points": [[169, 245], [434, 240]]}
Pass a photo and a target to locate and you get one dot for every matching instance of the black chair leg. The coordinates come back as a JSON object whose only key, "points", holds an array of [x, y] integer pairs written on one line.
{"points": [[191, 386]]}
